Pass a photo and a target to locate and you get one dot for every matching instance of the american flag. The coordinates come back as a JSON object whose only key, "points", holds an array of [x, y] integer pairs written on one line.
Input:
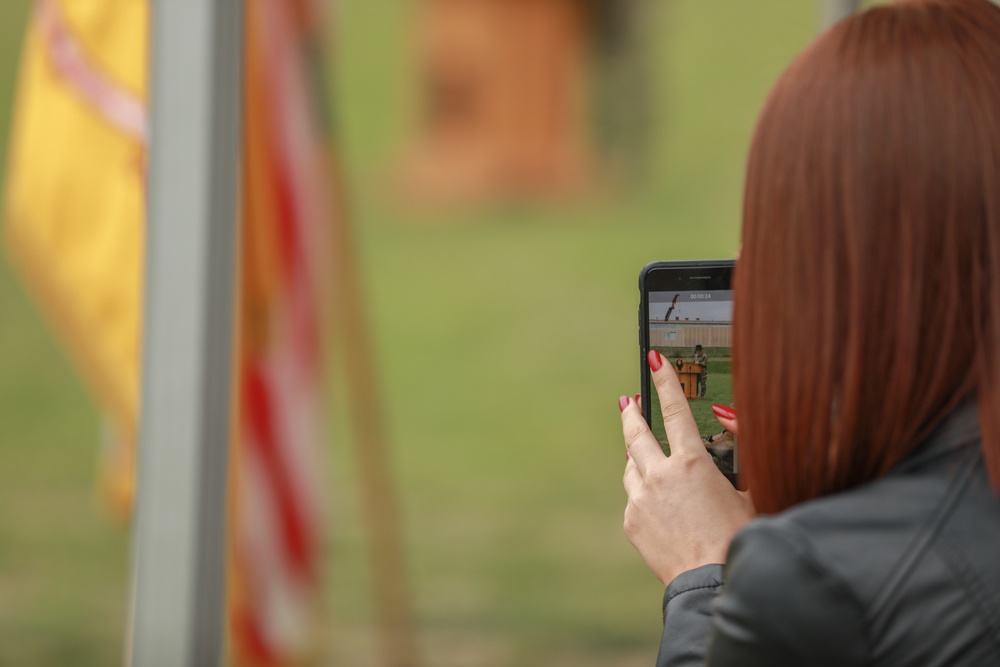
{"points": [[277, 499]]}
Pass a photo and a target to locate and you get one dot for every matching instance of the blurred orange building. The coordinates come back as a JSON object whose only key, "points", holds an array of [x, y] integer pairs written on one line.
{"points": [[504, 100]]}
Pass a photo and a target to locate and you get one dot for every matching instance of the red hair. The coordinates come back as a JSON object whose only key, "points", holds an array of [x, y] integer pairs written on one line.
{"points": [[868, 288]]}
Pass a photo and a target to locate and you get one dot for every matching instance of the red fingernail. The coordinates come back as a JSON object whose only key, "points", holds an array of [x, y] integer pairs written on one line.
{"points": [[723, 411], [622, 403], [655, 360], [637, 399]]}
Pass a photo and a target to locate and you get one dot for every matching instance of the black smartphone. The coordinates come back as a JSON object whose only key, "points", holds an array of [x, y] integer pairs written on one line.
{"points": [[686, 314]]}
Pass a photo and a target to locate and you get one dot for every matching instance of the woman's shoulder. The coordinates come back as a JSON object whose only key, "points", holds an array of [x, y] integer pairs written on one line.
{"points": [[865, 534], [862, 536], [784, 605], [911, 554], [858, 535]]}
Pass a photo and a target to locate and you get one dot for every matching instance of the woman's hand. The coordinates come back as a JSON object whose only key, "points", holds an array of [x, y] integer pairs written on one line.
{"points": [[682, 512]]}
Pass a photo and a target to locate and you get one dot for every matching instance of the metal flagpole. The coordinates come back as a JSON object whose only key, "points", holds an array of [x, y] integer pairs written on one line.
{"points": [[179, 536], [835, 10]]}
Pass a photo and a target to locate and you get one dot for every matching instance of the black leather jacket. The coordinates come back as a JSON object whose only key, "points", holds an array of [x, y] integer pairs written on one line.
{"points": [[902, 571]]}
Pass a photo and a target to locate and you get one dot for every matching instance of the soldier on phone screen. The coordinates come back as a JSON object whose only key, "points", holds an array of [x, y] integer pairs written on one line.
{"points": [[701, 359]]}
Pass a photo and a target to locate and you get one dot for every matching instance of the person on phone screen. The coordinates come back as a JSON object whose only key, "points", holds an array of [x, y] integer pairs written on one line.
{"points": [[871, 220], [701, 359]]}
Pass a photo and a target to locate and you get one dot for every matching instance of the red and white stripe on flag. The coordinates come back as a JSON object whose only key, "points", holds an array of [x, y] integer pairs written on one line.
{"points": [[277, 491]]}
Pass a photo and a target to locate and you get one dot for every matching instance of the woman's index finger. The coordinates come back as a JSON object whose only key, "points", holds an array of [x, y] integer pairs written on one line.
{"points": [[682, 431]]}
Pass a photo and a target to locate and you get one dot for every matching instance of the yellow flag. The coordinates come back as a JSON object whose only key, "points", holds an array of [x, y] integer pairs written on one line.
{"points": [[75, 191]]}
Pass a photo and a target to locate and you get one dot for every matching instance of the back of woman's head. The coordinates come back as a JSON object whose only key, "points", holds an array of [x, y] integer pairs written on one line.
{"points": [[868, 287]]}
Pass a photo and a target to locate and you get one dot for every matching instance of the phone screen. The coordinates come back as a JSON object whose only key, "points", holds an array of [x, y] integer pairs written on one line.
{"points": [[686, 314]]}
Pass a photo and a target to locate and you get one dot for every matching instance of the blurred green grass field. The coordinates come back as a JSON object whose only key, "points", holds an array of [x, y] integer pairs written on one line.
{"points": [[504, 339]]}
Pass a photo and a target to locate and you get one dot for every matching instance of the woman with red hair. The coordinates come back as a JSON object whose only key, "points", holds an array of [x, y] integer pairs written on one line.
{"points": [[870, 246]]}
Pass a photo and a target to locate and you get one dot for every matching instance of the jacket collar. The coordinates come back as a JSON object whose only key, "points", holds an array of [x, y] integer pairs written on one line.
{"points": [[959, 430]]}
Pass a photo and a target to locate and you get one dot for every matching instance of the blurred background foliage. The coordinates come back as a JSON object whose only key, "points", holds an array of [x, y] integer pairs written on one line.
{"points": [[504, 333]]}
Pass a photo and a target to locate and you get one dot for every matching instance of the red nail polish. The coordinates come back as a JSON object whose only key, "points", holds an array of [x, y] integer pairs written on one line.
{"points": [[655, 360], [622, 403], [637, 399], [723, 411]]}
